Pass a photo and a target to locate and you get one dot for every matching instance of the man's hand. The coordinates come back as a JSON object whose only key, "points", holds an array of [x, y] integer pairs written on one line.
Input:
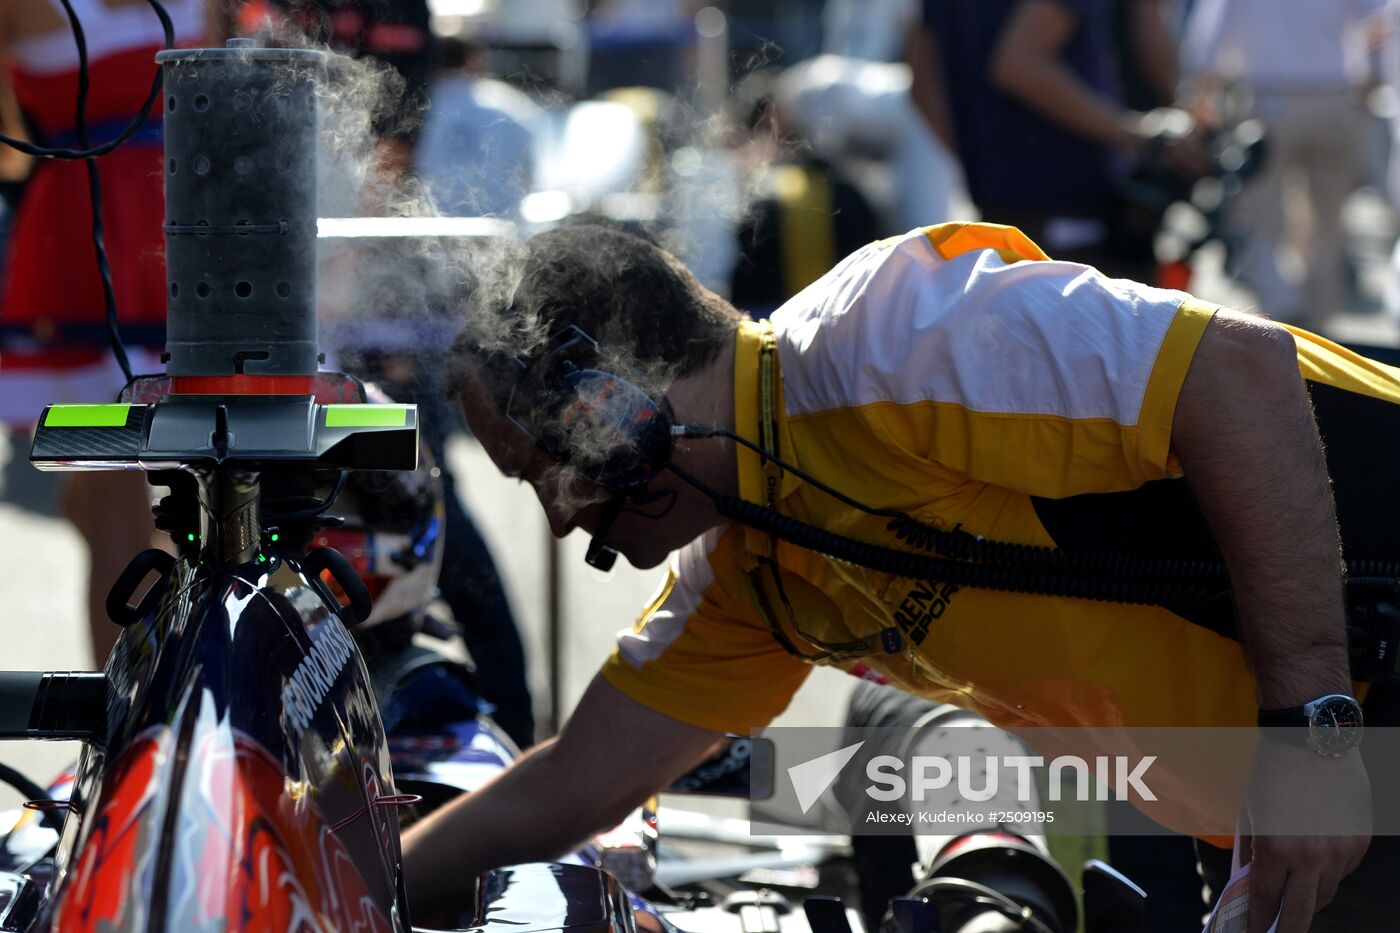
{"points": [[1181, 145], [1245, 434], [1310, 823], [613, 754]]}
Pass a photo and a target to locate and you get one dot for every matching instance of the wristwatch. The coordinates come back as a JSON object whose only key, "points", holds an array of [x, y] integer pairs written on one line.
{"points": [[1334, 724]]}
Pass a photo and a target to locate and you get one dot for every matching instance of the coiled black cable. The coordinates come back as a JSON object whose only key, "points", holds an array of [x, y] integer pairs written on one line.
{"points": [[1133, 579], [1008, 578], [962, 546]]}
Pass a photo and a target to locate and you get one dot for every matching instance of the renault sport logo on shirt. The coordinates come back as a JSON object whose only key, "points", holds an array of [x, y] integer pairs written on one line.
{"points": [[924, 604]]}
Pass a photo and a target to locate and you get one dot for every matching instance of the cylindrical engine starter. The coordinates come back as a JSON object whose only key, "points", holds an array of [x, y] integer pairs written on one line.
{"points": [[240, 205]]}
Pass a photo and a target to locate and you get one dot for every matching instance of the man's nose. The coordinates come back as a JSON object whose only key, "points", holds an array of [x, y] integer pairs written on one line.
{"points": [[561, 519]]}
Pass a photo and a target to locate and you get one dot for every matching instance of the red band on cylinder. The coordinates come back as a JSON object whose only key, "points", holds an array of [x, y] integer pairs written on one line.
{"points": [[242, 385]]}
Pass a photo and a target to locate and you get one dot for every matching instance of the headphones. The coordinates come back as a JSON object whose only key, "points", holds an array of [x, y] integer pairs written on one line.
{"points": [[613, 432]]}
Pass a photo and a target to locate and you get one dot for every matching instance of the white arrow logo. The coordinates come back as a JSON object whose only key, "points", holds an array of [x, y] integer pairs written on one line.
{"points": [[811, 778]]}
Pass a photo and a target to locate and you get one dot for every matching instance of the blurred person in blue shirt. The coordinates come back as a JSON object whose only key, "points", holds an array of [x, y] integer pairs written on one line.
{"points": [[476, 151]]}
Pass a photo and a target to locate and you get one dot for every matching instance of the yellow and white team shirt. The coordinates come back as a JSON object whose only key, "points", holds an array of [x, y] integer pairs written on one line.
{"points": [[956, 374]]}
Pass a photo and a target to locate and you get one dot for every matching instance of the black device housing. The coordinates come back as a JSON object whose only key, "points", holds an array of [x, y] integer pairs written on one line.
{"points": [[241, 209]]}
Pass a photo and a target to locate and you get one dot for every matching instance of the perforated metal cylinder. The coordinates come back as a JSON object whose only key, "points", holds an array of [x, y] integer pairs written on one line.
{"points": [[240, 209]]}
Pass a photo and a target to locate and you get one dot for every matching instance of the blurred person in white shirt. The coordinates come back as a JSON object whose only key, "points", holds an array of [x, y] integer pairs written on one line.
{"points": [[860, 111], [869, 30], [1306, 65], [1386, 37]]}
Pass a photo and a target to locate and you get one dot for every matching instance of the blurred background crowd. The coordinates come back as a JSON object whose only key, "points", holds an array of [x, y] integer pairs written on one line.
{"points": [[1240, 148], [762, 140]]}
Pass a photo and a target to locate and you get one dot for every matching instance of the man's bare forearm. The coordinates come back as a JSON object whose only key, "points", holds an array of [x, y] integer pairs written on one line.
{"points": [[1153, 42], [1028, 64], [1059, 95], [1245, 433], [613, 754], [527, 815], [927, 90]]}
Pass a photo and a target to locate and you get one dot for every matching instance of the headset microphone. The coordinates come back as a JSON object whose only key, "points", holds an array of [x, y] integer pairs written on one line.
{"points": [[599, 555]]}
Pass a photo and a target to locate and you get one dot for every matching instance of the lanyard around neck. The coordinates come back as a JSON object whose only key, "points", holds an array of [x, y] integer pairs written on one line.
{"points": [[768, 425]]}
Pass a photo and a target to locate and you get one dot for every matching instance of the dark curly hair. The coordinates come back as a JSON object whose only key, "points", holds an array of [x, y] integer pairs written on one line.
{"points": [[649, 314]]}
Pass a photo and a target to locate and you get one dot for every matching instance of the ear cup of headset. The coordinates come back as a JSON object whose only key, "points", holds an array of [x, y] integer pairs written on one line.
{"points": [[609, 429], [616, 433]]}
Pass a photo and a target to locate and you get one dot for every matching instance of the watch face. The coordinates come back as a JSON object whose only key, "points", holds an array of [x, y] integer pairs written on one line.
{"points": [[1335, 726]]}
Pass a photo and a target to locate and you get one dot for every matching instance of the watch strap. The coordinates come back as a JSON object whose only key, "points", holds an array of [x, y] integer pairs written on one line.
{"points": [[1292, 717]]}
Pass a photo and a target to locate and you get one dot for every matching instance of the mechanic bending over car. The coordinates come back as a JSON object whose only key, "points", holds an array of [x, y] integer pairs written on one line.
{"points": [[956, 374]]}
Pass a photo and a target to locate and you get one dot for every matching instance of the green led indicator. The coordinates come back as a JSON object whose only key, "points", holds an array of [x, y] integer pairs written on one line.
{"points": [[191, 536], [366, 416], [274, 536], [87, 416], [262, 558]]}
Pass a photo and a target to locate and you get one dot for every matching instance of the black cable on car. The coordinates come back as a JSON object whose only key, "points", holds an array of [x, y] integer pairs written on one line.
{"points": [[90, 153]]}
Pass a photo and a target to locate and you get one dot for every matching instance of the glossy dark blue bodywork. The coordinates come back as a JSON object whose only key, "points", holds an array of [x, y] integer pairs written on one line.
{"points": [[199, 691], [246, 781]]}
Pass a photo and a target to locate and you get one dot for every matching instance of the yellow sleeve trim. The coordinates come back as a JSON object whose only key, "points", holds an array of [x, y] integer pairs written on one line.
{"points": [[1321, 360], [1164, 385]]}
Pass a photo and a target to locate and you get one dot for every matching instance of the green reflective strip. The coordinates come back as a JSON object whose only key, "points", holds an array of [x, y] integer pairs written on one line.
{"points": [[366, 416], [86, 416]]}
